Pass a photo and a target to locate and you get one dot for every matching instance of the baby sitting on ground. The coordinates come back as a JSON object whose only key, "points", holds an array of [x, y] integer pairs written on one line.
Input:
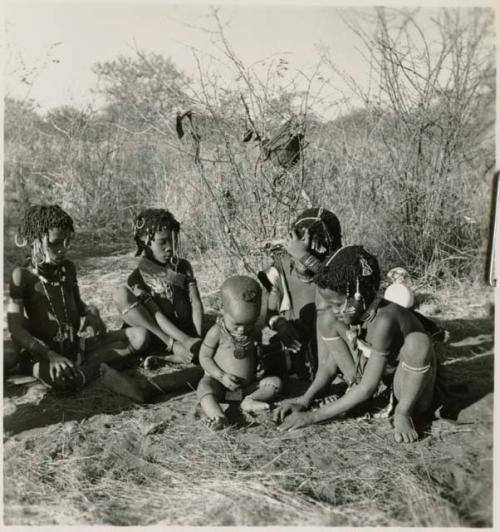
{"points": [[229, 355]]}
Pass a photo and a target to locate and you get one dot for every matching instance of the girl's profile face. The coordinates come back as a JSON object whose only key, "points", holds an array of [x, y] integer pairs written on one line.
{"points": [[161, 246], [344, 309], [55, 245]]}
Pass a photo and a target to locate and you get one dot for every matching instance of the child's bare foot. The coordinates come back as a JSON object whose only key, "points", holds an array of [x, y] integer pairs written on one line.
{"points": [[218, 423], [35, 394], [122, 384], [9, 407], [184, 353], [251, 405], [404, 429]]}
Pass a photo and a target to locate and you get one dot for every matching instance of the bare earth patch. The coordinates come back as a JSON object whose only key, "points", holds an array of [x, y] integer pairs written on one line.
{"points": [[97, 458]]}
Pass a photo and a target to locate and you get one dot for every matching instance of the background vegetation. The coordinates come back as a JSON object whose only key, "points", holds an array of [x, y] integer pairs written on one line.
{"points": [[408, 172]]}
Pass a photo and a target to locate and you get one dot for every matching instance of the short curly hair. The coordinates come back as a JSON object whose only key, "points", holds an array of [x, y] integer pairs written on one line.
{"points": [[150, 221], [349, 269], [38, 220], [323, 227]]}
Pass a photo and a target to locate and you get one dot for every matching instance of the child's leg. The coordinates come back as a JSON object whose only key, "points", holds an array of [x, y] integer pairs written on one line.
{"points": [[210, 392], [108, 347], [333, 339], [267, 390], [184, 353], [414, 382], [143, 390], [10, 355], [115, 344], [134, 314], [65, 381]]}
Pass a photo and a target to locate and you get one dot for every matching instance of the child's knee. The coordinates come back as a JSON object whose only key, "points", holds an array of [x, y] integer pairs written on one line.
{"points": [[417, 349], [273, 382], [208, 386], [122, 298], [139, 338], [10, 355]]}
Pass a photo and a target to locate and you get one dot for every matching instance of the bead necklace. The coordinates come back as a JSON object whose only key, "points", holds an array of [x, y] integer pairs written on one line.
{"points": [[65, 329]]}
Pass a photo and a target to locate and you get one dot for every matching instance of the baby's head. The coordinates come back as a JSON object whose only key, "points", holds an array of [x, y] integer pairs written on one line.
{"points": [[241, 304], [348, 283], [324, 231], [48, 229], [156, 234]]}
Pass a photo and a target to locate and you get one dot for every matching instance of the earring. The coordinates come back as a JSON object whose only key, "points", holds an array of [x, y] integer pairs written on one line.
{"points": [[357, 294], [19, 244]]}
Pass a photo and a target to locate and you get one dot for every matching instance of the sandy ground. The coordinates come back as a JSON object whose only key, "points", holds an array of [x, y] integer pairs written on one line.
{"points": [[97, 458]]}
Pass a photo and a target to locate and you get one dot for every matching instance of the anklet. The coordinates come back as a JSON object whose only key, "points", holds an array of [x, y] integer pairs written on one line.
{"points": [[423, 369]]}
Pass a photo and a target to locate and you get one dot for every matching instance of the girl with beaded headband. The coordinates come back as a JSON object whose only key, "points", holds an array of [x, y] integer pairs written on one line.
{"points": [[45, 308], [161, 294], [369, 340], [315, 234]]}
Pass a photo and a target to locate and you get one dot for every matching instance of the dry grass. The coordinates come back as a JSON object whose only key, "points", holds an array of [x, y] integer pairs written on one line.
{"points": [[95, 458]]}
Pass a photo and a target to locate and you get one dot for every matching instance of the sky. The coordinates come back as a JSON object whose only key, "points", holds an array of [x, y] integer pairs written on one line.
{"points": [[51, 47]]}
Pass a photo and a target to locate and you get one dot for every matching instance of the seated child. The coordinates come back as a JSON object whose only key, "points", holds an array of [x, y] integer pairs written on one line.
{"points": [[229, 354], [315, 235], [45, 309], [368, 339], [161, 294]]}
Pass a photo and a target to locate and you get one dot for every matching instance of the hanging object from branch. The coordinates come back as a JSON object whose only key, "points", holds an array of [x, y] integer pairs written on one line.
{"points": [[191, 128], [285, 147]]}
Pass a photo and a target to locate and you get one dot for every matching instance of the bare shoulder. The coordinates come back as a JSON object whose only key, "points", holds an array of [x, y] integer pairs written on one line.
{"points": [[213, 335], [327, 324], [22, 277], [403, 318], [385, 327]]}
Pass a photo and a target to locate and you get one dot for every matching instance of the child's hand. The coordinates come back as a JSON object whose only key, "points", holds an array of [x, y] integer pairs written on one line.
{"points": [[289, 408], [137, 291], [297, 420], [94, 321], [60, 366], [231, 382], [288, 335], [297, 247]]}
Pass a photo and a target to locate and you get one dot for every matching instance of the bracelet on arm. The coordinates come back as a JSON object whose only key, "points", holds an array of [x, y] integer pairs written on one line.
{"points": [[310, 262]]}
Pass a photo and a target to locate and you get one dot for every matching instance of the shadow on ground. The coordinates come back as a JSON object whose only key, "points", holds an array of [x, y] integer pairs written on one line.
{"points": [[37, 408], [466, 370], [465, 376]]}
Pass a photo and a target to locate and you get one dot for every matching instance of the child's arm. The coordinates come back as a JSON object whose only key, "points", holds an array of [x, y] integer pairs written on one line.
{"points": [[155, 316], [15, 323], [298, 249], [207, 362], [327, 369], [275, 321], [380, 341], [194, 297]]}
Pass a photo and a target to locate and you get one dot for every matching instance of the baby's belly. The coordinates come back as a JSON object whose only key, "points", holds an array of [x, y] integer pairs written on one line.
{"points": [[244, 368]]}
